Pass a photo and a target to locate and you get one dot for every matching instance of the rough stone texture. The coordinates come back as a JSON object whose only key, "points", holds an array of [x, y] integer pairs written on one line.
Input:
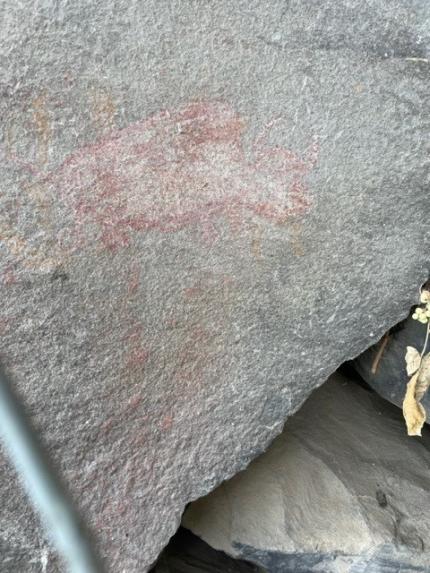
{"points": [[391, 378], [341, 489], [205, 208]]}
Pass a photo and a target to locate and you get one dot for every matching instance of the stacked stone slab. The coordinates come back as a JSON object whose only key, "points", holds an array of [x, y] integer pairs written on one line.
{"points": [[341, 489]]}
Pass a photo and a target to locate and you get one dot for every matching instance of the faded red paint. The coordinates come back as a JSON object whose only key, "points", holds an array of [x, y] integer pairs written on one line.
{"points": [[137, 354], [176, 169], [192, 292], [166, 422], [133, 281], [123, 412], [4, 325], [9, 276], [137, 357]]}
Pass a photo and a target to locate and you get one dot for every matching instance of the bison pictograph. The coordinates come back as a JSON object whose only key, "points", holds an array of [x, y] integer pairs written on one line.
{"points": [[172, 170]]}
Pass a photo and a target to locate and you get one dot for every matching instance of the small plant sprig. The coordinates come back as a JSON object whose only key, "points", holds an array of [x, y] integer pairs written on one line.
{"points": [[422, 314], [418, 366]]}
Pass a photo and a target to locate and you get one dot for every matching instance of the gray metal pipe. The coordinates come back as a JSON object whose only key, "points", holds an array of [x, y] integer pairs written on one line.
{"points": [[49, 497]]}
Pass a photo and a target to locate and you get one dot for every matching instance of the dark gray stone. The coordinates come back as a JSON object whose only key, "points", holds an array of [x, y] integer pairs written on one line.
{"points": [[390, 378], [206, 207], [341, 489]]}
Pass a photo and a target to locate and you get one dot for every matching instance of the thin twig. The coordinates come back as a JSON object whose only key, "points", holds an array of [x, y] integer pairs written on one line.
{"points": [[384, 341], [426, 340]]}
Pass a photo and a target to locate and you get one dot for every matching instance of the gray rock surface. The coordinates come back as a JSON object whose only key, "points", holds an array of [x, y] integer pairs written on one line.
{"points": [[206, 207], [390, 378], [342, 489]]}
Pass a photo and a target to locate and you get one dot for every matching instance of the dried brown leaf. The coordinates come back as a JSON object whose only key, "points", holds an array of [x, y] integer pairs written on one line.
{"points": [[413, 411], [423, 377], [413, 360]]}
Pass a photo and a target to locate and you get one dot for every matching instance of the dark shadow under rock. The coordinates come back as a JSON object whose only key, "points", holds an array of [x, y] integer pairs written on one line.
{"points": [[390, 378], [187, 553]]}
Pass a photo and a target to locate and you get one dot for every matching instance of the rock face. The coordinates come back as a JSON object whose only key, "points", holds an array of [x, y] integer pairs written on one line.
{"points": [[341, 489], [205, 209], [390, 378]]}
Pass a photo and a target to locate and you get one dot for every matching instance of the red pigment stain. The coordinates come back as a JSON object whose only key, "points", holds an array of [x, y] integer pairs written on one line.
{"points": [[175, 169], [9, 276], [172, 323], [4, 325], [133, 281], [137, 355], [192, 292], [166, 422], [123, 413]]}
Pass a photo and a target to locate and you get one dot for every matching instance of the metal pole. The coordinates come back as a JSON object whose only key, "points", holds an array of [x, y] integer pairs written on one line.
{"points": [[44, 488]]}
